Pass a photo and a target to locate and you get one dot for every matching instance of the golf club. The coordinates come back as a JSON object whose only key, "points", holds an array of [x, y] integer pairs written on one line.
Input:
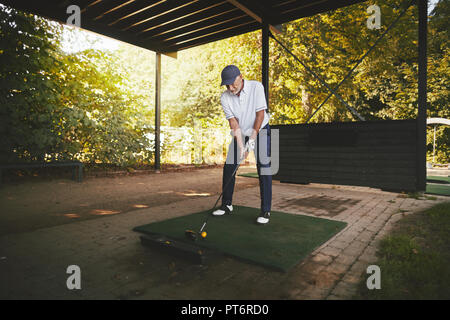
{"points": [[192, 235]]}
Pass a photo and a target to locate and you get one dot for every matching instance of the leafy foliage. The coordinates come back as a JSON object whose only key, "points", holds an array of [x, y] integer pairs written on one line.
{"points": [[29, 86], [439, 79], [58, 106], [98, 106]]}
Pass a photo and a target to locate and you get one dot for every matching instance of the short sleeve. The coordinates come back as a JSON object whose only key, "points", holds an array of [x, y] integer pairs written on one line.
{"points": [[226, 107], [260, 97]]}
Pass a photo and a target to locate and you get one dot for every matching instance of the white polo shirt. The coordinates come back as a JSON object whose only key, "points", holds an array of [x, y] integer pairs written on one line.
{"points": [[244, 107]]}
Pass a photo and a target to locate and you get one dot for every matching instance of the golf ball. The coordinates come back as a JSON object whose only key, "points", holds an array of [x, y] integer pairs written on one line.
{"points": [[203, 234]]}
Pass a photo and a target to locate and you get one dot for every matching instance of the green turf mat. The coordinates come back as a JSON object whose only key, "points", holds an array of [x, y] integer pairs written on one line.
{"points": [[249, 174], [438, 179], [281, 244], [438, 189]]}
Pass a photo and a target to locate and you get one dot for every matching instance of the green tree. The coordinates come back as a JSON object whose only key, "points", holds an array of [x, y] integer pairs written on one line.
{"points": [[29, 94], [58, 106], [381, 87], [439, 79]]}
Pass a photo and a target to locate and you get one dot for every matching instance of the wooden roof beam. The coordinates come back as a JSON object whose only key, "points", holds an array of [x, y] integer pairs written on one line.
{"points": [[251, 13]]}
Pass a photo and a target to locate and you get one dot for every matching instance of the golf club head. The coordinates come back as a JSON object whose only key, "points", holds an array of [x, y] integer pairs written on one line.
{"points": [[191, 235]]}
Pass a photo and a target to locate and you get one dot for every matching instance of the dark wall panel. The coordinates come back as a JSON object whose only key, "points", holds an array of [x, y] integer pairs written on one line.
{"points": [[378, 154]]}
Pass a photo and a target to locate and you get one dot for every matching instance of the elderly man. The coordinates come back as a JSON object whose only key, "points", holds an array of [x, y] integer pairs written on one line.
{"points": [[245, 107]]}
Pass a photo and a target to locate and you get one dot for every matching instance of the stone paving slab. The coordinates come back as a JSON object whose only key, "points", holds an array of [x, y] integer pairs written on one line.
{"points": [[114, 265]]}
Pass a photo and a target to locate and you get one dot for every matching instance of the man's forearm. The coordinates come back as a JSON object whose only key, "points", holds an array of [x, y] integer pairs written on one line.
{"points": [[234, 125], [257, 125], [238, 134]]}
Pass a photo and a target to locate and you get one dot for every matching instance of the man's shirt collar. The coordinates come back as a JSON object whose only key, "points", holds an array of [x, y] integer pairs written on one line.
{"points": [[243, 88]]}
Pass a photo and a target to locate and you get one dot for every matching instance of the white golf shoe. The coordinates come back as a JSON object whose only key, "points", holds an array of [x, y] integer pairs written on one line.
{"points": [[222, 210], [263, 218]]}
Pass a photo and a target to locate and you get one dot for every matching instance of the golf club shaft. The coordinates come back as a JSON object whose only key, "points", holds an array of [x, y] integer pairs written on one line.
{"points": [[224, 187]]}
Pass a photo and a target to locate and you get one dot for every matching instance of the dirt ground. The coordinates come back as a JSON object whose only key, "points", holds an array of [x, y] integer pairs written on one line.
{"points": [[34, 202]]}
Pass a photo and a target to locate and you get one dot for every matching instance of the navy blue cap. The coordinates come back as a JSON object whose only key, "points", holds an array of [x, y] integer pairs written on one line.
{"points": [[229, 74]]}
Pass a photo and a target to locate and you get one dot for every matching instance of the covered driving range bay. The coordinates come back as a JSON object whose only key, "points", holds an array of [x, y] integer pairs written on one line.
{"points": [[280, 245], [167, 27], [354, 157]]}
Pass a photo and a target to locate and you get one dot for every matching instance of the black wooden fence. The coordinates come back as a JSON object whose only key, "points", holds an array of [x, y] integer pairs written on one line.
{"points": [[378, 154]]}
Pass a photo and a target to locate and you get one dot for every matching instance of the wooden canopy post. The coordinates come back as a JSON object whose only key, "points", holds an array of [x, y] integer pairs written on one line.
{"points": [[158, 113]]}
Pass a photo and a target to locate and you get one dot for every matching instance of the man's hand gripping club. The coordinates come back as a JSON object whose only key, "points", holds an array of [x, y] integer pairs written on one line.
{"points": [[237, 133]]}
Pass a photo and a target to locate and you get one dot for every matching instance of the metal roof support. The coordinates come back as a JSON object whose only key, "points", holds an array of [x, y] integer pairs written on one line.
{"points": [[422, 99], [158, 113], [352, 110], [362, 58]]}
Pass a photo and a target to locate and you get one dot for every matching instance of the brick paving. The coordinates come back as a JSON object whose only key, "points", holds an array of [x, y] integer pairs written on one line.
{"points": [[339, 263], [114, 265]]}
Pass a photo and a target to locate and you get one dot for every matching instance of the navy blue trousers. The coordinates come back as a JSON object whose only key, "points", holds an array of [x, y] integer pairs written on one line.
{"points": [[265, 180]]}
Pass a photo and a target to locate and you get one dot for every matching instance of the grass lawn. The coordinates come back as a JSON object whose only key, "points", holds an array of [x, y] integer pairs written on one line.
{"points": [[414, 259]]}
